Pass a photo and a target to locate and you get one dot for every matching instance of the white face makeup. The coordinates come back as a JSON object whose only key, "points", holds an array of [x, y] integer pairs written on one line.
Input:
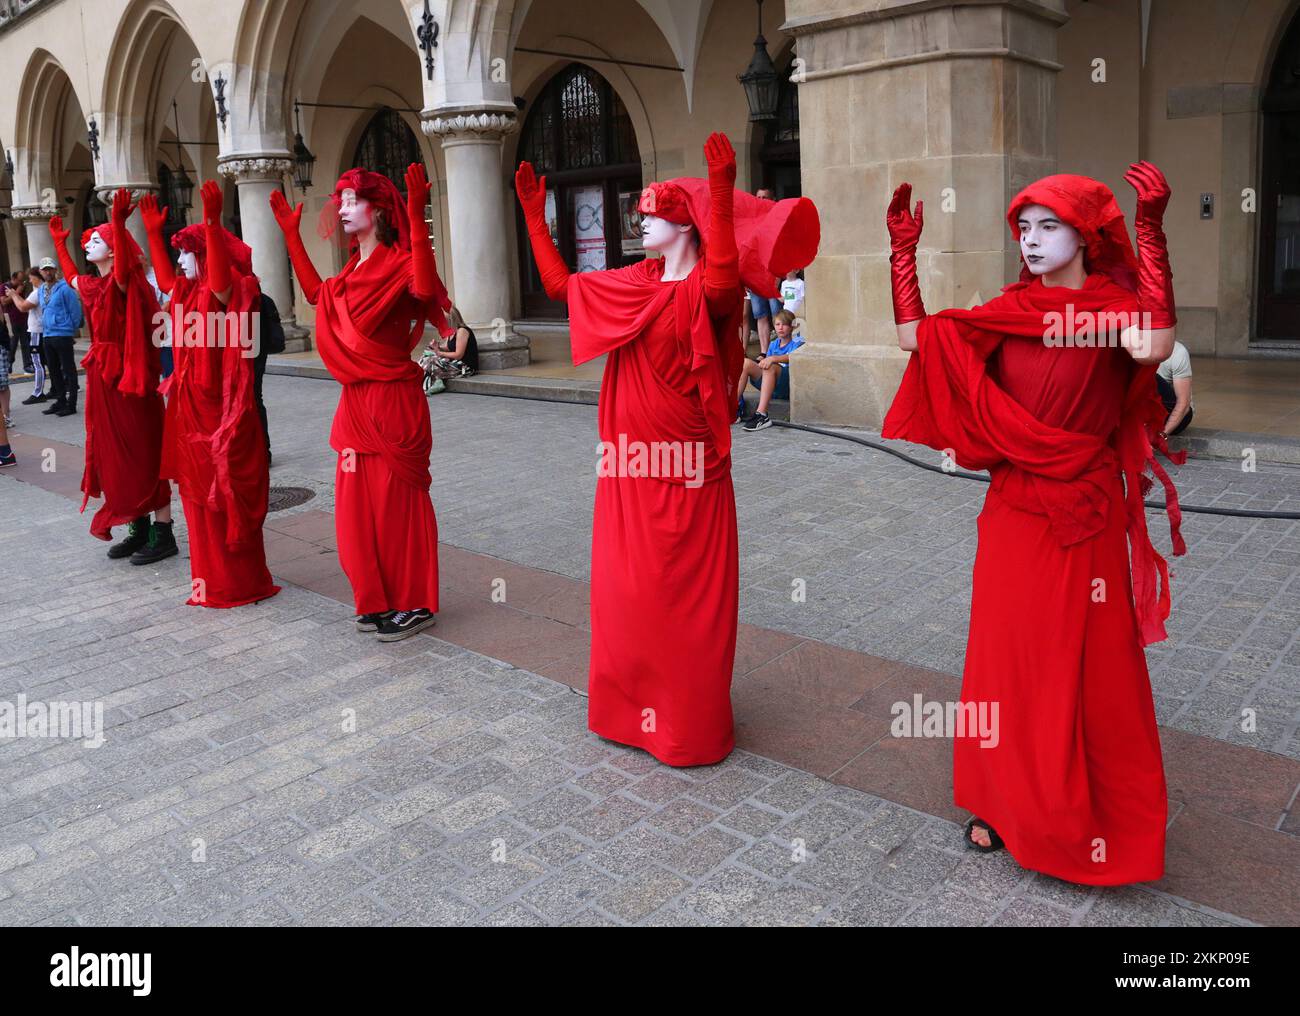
{"points": [[189, 262], [96, 249], [354, 213], [1046, 243], [660, 234]]}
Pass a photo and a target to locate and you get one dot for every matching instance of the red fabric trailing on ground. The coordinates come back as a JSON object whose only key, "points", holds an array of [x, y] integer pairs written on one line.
{"points": [[664, 572], [1075, 786], [213, 445], [367, 323], [124, 412]]}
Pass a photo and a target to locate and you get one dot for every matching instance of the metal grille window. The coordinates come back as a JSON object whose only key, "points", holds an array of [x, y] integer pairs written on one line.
{"points": [[388, 146], [578, 122]]}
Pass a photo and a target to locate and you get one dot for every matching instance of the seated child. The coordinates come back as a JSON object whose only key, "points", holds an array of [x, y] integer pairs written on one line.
{"points": [[770, 373]]}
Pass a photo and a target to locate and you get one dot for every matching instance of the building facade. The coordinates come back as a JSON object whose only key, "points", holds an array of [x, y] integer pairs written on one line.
{"points": [[969, 100]]}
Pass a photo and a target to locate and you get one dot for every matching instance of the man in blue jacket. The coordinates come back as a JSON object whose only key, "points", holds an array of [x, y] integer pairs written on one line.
{"points": [[61, 318]]}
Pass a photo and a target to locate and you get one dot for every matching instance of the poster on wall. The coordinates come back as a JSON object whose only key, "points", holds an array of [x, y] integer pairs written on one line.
{"points": [[588, 205], [630, 224]]}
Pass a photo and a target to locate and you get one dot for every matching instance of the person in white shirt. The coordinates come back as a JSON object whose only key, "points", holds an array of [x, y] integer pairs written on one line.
{"points": [[792, 292], [1174, 380]]}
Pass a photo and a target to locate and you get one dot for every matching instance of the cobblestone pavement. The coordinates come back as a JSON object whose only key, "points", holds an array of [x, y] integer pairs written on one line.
{"points": [[271, 765]]}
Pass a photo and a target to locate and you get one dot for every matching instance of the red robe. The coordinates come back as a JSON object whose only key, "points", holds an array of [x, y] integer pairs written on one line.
{"points": [[1067, 587], [664, 572], [387, 532], [124, 412], [213, 445]]}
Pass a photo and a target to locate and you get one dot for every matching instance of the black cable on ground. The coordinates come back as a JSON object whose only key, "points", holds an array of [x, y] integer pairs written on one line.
{"points": [[1240, 513]]}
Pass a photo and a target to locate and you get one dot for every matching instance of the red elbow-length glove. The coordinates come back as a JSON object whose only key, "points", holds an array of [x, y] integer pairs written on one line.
{"points": [[425, 283], [722, 263], [290, 222], [218, 257], [154, 219], [60, 237], [1155, 276], [904, 235], [123, 255], [532, 198]]}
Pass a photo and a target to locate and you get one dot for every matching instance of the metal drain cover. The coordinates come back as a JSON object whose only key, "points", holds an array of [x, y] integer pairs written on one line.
{"points": [[288, 497]]}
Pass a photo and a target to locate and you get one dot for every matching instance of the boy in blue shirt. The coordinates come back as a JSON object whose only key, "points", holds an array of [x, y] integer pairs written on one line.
{"points": [[770, 373]]}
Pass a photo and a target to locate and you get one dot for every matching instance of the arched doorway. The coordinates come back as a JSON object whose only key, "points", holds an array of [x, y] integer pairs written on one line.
{"points": [[1278, 313], [777, 141], [388, 146], [579, 135]]}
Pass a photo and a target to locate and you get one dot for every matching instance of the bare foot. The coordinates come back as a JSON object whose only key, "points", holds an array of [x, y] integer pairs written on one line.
{"points": [[980, 836]]}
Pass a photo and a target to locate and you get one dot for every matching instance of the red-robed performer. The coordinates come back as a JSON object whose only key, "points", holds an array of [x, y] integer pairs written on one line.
{"points": [[664, 577], [1049, 387], [213, 446], [124, 412], [369, 318]]}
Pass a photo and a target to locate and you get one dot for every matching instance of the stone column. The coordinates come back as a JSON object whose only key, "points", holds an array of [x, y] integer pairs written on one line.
{"points": [[480, 230], [257, 176], [957, 99], [35, 219]]}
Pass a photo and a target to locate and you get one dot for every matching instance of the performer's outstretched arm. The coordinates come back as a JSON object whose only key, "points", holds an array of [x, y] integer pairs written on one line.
{"points": [[123, 255], [532, 198], [218, 257], [66, 264], [154, 218], [722, 263], [904, 235], [426, 286], [290, 221], [1155, 294]]}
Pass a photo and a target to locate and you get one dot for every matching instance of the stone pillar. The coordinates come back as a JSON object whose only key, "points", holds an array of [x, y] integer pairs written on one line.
{"points": [[480, 230], [35, 219], [957, 99], [257, 176]]}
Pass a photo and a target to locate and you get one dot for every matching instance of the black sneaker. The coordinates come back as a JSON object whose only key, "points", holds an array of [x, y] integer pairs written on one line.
{"points": [[8, 460], [137, 535], [371, 622], [403, 624], [757, 422], [32, 400], [67, 411], [54, 407], [162, 544]]}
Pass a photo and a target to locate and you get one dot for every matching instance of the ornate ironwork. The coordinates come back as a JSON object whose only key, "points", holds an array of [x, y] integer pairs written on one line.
{"points": [[388, 146], [92, 135], [427, 34], [219, 83]]}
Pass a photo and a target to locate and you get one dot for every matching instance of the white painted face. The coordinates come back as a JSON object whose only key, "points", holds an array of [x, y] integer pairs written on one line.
{"points": [[96, 249], [1047, 243], [660, 234], [189, 262], [354, 213]]}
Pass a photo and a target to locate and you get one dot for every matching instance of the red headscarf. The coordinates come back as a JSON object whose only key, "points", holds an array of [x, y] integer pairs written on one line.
{"points": [[107, 234], [375, 188], [195, 240], [1090, 207], [772, 237]]}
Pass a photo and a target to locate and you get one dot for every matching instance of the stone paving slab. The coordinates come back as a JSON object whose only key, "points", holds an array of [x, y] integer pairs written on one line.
{"points": [[311, 775]]}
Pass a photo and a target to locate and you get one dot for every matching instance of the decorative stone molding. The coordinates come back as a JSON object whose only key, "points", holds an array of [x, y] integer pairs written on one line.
{"points": [[255, 167], [106, 191], [481, 125], [34, 213]]}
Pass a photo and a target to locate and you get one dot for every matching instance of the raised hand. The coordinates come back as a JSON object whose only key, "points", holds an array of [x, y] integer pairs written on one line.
{"points": [[289, 219], [532, 192], [720, 157], [904, 227], [59, 234], [1153, 191], [904, 235], [122, 206], [417, 195], [212, 201], [154, 217]]}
